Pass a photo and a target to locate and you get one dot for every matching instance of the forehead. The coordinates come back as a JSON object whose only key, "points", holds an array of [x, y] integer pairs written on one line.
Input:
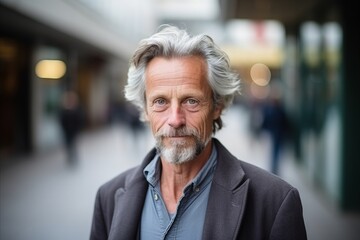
{"points": [[173, 71]]}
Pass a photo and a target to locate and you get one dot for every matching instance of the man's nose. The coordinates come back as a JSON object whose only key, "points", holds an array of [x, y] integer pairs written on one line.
{"points": [[177, 117]]}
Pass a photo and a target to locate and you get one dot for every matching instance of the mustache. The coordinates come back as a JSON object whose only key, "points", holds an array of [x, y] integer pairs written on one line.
{"points": [[176, 132]]}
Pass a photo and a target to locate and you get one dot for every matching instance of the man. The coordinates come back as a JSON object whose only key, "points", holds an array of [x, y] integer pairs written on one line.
{"points": [[71, 122], [189, 186]]}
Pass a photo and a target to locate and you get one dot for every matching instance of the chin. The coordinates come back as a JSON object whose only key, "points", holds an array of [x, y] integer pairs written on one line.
{"points": [[180, 152], [176, 155]]}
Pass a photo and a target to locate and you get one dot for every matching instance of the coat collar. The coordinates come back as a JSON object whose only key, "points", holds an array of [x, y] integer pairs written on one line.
{"points": [[227, 197], [225, 207], [129, 202]]}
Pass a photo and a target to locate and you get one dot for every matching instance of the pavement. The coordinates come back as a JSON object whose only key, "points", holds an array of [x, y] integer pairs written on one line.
{"points": [[44, 198]]}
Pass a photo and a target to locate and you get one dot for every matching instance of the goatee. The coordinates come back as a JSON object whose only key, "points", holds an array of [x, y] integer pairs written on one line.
{"points": [[179, 151]]}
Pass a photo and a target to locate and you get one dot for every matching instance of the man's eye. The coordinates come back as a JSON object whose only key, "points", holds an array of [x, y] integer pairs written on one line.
{"points": [[191, 101], [159, 101]]}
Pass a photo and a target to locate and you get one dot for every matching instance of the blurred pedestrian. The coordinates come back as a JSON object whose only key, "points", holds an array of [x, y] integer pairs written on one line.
{"points": [[71, 119], [189, 186], [275, 122]]}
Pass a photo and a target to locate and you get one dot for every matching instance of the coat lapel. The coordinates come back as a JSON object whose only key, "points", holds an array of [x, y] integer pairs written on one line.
{"points": [[127, 213], [227, 198], [128, 205]]}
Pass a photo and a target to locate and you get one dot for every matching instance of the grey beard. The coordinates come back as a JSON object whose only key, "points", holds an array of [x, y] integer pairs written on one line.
{"points": [[179, 153]]}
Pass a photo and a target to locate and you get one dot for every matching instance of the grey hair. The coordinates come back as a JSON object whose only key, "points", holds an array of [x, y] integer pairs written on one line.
{"points": [[170, 41]]}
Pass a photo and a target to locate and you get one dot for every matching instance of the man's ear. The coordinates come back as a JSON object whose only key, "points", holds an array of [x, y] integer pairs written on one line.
{"points": [[217, 111]]}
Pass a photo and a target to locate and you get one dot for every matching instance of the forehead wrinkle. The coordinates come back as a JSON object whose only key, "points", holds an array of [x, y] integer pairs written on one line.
{"points": [[177, 77], [176, 66], [189, 76]]}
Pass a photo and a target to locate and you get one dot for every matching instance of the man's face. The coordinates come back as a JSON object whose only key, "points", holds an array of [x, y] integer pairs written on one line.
{"points": [[179, 106]]}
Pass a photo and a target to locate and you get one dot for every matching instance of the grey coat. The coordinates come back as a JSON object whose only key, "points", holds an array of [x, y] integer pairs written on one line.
{"points": [[245, 202]]}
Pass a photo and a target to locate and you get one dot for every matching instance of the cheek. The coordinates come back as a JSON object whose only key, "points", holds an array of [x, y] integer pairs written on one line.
{"points": [[202, 123], [156, 121]]}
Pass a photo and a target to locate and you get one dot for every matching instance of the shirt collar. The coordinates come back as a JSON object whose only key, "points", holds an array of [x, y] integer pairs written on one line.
{"points": [[152, 170]]}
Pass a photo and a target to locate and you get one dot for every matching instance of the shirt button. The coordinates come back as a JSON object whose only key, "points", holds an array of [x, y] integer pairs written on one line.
{"points": [[156, 197], [197, 189]]}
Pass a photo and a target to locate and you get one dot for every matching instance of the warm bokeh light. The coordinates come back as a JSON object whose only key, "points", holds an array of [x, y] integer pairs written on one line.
{"points": [[273, 57], [50, 69], [260, 74]]}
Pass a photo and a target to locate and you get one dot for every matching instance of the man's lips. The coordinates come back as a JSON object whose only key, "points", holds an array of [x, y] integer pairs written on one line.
{"points": [[175, 137]]}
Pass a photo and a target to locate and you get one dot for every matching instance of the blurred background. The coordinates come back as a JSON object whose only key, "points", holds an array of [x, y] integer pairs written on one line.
{"points": [[65, 127]]}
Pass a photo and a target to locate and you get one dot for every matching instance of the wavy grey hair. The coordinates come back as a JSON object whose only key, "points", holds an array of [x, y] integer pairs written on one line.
{"points": [[169, 42]]}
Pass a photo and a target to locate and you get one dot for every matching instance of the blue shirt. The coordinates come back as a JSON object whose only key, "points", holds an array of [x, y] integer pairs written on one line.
{"points": [[188, 220]]}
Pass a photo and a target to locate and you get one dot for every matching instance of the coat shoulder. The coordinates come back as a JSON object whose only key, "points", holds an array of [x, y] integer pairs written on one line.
{"points": [[262, 179], [119, 181]]}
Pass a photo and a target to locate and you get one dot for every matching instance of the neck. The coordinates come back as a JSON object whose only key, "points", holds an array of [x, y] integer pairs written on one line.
{"points": [[174, 177]]}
